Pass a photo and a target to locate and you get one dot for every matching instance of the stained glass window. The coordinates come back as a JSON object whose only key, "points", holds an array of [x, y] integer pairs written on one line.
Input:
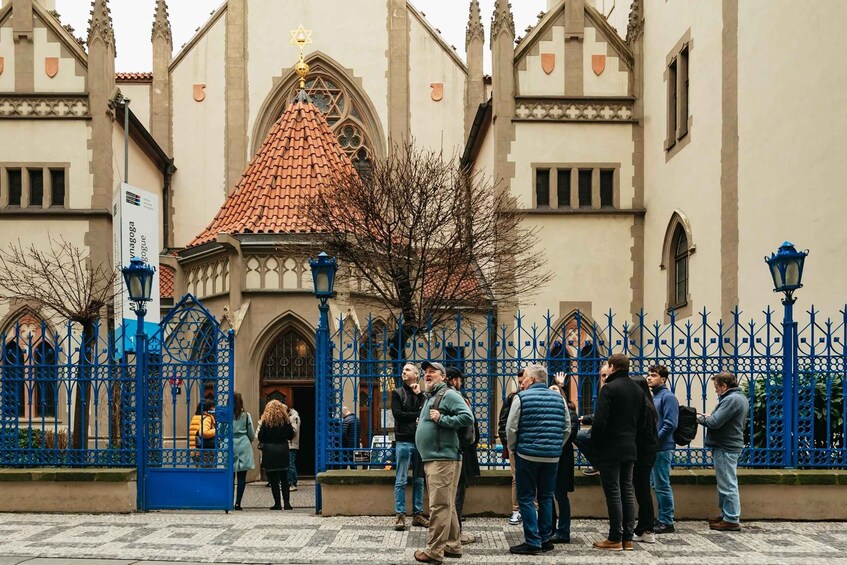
{"points": [[343, 116], [290, 358]]}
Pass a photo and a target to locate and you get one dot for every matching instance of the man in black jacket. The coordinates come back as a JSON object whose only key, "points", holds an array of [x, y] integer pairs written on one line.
{"points": [[621, 410], [406, 403]]}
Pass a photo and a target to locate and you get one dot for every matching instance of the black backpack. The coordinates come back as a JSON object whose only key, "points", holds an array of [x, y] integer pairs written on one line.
{"points": [[686, 428], [467, 434]]}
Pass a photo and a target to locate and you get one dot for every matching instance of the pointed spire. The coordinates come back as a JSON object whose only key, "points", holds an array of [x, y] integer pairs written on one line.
{"points": [[502, 20], [161, 22], [100, 24], [475, 29]]}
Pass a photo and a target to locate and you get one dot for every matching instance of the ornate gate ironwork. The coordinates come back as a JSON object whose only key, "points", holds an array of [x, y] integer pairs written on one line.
{"points": [[190, 359]]}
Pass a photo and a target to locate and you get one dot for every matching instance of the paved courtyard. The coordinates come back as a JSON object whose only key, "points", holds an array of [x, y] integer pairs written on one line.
{"points": [[260, 536]]}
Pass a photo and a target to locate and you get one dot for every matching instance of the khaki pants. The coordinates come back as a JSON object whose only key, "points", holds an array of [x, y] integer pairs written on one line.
{"points": [[442, 480], [515, 507]]}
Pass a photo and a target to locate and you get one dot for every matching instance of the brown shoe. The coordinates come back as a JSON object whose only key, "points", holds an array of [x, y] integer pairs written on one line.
{"points": [[400, 524], [627, 545], [716, 519], [724, 526], [609, 544], [420, 521], [423, 557]]}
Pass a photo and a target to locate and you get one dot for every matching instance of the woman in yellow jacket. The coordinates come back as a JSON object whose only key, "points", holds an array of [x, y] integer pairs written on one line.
{"points": [[201, 431]]}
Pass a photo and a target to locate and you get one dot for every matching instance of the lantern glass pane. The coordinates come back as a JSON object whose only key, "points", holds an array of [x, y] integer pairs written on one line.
{"points": [[322, 283], [135, 289], [792, 274], [777, 277], [148, 286]]}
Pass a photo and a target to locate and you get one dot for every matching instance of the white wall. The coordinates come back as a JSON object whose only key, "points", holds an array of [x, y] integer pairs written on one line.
{"points": [[198, 133]]}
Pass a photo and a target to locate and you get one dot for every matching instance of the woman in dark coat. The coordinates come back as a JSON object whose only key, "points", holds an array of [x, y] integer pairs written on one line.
{"points": [[647, 443], [564, 478], [274, 433]]}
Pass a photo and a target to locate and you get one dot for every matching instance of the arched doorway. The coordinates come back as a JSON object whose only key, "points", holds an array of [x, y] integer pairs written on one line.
{"points": [[288, 375]]}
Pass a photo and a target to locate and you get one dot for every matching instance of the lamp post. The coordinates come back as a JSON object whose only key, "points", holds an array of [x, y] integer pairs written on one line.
{"points": [[138, 277], [786, 266], [324, 269]]}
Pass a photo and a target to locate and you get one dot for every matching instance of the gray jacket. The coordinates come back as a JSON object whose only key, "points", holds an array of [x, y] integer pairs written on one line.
{"points": [[725, 426]]}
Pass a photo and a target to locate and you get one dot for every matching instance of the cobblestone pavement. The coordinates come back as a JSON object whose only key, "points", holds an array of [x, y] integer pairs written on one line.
{"points": [[261, 536]]}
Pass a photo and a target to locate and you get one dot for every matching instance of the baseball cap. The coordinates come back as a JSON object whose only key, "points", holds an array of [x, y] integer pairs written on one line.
{"points": [[437, 366], [453, 372]]}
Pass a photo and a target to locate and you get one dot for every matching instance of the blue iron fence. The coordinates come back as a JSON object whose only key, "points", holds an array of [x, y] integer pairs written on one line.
{"points": [[64, 399], [365, 362]]}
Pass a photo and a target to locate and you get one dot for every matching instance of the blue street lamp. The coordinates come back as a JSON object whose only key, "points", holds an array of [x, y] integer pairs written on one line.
{"points": [[138, 277], [786, 267], [324, 269]]}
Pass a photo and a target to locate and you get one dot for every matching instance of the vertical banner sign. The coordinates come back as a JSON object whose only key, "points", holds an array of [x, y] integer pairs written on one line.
{"points": [[135, 233]]}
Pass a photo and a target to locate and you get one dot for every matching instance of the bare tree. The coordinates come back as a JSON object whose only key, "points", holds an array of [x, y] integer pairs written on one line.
{"points": [[428, 237], [64, 279]]}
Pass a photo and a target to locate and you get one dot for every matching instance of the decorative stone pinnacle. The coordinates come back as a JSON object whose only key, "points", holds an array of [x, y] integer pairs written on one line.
{"points": [[100, 24], [162, 23], [475, 29], [502, 20], [635, 23]]}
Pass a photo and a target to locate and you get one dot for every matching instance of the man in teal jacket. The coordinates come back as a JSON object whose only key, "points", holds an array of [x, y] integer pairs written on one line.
{"points": [[443, 412]]}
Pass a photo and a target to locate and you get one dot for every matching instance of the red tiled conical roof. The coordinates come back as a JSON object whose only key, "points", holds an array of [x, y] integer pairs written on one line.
{"points": [[299, 157]]}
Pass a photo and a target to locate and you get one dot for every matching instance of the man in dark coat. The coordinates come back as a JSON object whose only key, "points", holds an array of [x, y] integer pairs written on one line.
{"points": [[621, 410], [470, 461], [349, 422], [515, 519]]}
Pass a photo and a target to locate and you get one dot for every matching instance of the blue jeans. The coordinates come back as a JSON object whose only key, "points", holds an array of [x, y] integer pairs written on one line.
{"points": [[292, 469], [726, 463], [583, 442], [403, 454], [536, 480], [661, 479]]}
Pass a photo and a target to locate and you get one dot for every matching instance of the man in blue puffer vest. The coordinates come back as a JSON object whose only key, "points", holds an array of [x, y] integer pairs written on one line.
{"points": [[536, 430]]}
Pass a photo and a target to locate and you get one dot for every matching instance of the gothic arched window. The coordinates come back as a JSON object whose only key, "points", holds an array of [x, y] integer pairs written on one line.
{"points": [[29, 372], [290, 358], [343, 116], [679, 270]]}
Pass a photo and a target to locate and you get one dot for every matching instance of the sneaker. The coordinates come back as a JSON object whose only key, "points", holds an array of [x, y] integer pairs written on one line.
{"points": [[590, 471], [547, 546], [664, 528], [467, 538], [292, 488], [400, 523], [724, 526], [646, 537], [525, 549], [609, 544], [515, 519], [627, 545], [420, 521], [560, 539]]}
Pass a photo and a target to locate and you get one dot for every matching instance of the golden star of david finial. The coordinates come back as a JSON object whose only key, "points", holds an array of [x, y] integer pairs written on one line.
{"points": [[301, 37]]}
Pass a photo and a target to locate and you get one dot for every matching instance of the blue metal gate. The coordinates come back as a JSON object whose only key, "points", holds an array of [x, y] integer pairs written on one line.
{"points": [[189, 362]]}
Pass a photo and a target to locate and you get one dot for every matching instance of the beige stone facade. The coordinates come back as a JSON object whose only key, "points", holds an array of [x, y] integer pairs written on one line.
{"points": [[617, 136]]}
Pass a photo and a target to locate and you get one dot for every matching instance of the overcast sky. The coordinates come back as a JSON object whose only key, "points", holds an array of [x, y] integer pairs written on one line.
{"points": [[133, 20]]}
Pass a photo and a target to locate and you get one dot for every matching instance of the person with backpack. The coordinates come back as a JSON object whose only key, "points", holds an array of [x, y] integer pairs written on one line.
{"points": [[537, 429], [406, 403], [470, 461], [443, 414], [201, 430], [274, 434], [667, 408], [515, 518]]}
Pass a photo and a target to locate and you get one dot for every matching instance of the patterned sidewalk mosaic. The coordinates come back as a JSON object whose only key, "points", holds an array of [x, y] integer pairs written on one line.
{"points": [[262, 536]]}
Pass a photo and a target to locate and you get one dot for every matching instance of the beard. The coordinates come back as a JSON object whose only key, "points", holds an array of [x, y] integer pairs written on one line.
{"points": [[428, 386]]}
